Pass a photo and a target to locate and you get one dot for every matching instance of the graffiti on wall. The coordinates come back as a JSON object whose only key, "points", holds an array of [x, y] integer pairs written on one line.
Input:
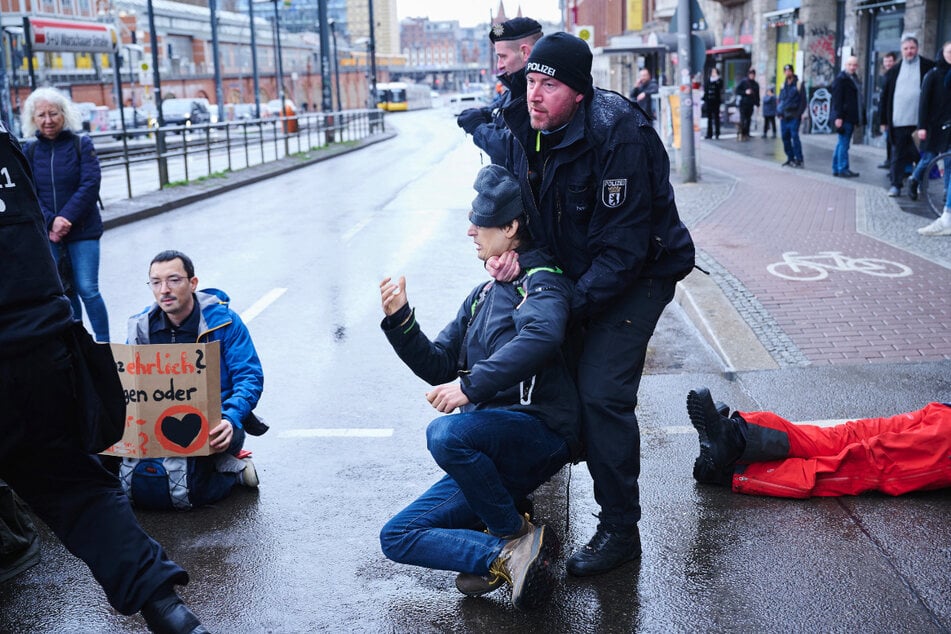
{"points": [[820, 55]]}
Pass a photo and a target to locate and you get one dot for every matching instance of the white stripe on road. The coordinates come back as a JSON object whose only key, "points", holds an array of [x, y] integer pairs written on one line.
{"points": [[336, 433], [387, 433], [688, 429], [258, 307], [346, 237]]}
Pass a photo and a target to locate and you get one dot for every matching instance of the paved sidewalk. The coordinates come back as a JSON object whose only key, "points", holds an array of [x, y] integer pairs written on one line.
{"points": [[885, 299]]}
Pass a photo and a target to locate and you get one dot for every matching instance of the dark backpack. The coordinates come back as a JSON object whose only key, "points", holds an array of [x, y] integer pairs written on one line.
{"points": [[159, 484]]}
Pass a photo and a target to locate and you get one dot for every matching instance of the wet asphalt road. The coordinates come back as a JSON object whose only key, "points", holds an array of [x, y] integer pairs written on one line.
{"points": [[346, 449]]}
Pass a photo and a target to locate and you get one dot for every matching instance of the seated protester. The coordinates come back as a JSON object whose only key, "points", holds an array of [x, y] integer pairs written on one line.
{"points": [[500, 363], [760, 453], [183, 314]]}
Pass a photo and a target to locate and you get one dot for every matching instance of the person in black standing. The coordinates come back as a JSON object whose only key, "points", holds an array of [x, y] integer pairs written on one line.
{"points": [[748, 90], [712, 98], [900, 99], [42, 456], [846, 115]]}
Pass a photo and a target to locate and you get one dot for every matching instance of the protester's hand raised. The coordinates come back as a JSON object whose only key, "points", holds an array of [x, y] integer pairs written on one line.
{"points": [[393, 295]]}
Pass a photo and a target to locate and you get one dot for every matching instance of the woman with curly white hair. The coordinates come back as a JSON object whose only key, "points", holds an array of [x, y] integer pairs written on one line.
{"points": [[67, 176]]}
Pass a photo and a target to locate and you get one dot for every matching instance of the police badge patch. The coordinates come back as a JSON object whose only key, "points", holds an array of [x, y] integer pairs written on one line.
{"points": [[614, 192], [498, 30]]}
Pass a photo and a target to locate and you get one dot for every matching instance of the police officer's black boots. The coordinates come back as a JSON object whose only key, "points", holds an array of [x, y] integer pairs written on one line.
{"points": [[166, 613]]}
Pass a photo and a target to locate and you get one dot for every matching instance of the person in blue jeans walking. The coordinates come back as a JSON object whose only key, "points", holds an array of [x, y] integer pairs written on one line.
{"points": [[67, 176], [792, 103], [500, 363], [846, 113]]}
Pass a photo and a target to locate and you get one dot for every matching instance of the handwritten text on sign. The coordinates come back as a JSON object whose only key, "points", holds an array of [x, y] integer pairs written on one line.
{"points": [[173, 398]]}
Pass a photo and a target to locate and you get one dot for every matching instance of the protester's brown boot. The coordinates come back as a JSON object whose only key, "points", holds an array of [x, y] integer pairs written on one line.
{"points": [[477, 585], [525, 563]]}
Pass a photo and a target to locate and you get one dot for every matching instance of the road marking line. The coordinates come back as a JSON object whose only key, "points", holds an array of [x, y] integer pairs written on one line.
{"points": [[346, 237], [258, 307], [688, 429], [336, 433]]}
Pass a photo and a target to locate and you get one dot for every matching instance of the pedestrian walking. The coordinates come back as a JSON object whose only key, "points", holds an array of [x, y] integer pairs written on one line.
{"points": [[712, 98], [888, 60], [791, 105], [67, 176], [846, 113], [748, 91], [900, 100], [769, 112]]}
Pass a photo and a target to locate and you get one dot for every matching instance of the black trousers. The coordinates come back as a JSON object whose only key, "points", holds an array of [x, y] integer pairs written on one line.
{"points": [[769, 122], [746, 118], [713, 119], [82, 503], [904, 152], [614, 349]]}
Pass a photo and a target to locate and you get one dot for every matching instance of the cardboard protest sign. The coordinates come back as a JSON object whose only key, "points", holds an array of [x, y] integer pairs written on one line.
{"points": [[173, 398]]}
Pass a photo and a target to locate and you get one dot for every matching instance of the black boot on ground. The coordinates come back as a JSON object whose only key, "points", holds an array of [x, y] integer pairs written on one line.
{"points": [[166, 613], [721, 439], [607, 550]]}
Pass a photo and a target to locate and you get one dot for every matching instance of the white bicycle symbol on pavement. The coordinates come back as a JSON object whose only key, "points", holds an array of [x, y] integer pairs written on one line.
{"points": [[810, 268]]}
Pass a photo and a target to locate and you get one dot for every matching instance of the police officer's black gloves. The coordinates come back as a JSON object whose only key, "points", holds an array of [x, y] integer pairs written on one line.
{"points": [[472, 118]]}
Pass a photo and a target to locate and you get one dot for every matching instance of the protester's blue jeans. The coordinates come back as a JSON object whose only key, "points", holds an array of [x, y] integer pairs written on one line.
{"points": [[789, 128], [840, 158], [919, 173], [84, 259], [492, 458]]}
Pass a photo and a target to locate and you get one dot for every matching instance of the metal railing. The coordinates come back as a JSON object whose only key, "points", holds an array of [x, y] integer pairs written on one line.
{"points": [[152, 159]]}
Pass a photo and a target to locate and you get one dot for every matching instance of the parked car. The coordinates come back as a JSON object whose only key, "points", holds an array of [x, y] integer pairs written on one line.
{"points": [[274, 107], [464, 101], [187, 112], [243, 111], [137, 121]]}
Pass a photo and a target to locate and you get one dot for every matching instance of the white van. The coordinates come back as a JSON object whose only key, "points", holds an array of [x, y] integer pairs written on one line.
{"points": [[458, 103]]}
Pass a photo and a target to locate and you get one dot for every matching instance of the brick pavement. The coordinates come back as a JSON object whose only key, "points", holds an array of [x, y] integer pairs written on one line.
{"points": [[849, 316]]}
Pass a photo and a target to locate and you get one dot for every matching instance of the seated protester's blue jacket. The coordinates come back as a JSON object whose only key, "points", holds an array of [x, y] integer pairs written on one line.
{"points": [[242, 378], [505, 347], [183, 482]]}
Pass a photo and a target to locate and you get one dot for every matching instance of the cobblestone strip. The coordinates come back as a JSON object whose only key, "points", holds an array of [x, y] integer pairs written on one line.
{"points": [[780, 347]]}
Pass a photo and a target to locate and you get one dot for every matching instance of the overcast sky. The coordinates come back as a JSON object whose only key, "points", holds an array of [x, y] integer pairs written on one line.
{"points": [[472, 12]]}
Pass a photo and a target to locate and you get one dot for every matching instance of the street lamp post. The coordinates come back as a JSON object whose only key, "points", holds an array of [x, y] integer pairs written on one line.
{"points": [[326, 103], [372, 50], [216, 62], [333, 34], [157, 87], [280, 76], [254, 63]]}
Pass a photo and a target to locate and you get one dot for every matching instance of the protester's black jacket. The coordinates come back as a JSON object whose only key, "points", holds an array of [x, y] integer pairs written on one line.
{"points": [[934, 108], [845, 100], [504, 346]]}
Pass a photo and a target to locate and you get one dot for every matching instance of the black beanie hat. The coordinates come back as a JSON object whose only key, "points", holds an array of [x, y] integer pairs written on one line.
{"points": [[563, 56], [499, 200], [514, 29]]}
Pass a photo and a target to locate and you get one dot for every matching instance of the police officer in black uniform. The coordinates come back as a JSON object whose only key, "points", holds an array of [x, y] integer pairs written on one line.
{"points": [[41, 454]]}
